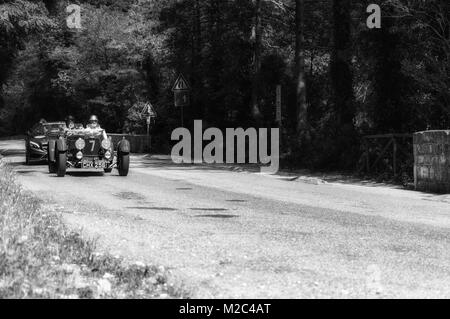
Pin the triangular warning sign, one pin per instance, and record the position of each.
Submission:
(181, 84)
(151, 111)
(148, 110)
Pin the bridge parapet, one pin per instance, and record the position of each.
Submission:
(432, 161)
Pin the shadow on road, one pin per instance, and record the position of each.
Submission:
(25, 172)
(220, 216)
(85, 174)
(152, 161)
(166, 209)
(165, 163)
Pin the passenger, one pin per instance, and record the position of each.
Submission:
(70, 122)
(42, 124)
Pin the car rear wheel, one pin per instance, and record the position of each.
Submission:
(123, 164)
(61, 162)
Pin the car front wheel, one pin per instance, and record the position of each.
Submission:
(123, 164)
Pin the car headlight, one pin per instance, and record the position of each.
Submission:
(80, 144)
(106, 144)
(35, 145)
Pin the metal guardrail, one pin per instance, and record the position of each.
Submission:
(386, 153)
(139, 143)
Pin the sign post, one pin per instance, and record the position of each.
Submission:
(182, 115)
(181, 91)
(278, 102)
(149, 121)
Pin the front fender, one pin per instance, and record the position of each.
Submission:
(61, 145)
(124, 147)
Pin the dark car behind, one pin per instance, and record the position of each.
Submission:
(36, 142)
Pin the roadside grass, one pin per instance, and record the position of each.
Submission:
(41, 258)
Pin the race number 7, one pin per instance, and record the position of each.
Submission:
(93, 145)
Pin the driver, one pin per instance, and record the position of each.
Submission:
(93, 125)
(70, 122)
(42, 123)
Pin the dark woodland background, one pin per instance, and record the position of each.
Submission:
(340, 79)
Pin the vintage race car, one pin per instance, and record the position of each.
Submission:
(87, 149)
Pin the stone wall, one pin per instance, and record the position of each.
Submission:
(139, 143)
(432, 161)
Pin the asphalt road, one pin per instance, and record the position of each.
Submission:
(229, 234)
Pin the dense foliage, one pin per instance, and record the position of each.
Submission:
(340, 79)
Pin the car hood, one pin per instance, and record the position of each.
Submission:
(85, 134)
(41, 140)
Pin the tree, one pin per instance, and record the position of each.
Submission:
(345, 148)
(256, 68)
(300, 77)
(341, 70)
(426, 28)
(18, 20)
(338, 80)
(390, 114)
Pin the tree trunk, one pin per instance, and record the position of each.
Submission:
(52, 6)
(301, 105)
(390, 112)
(196, 60)
(256, 39)
(345, 143)
(341, 74)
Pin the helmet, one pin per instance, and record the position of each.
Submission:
(69, 119)
(93, 122)
(93, 118)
